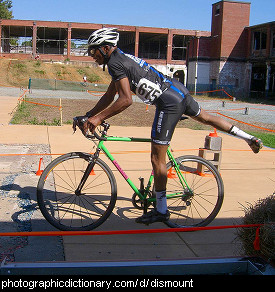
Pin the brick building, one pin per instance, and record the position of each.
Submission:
(238, 57)
(234, 55)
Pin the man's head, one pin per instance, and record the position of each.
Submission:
(100, 44)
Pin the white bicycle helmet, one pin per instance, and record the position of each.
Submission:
(103, 36)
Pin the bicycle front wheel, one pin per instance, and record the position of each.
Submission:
(67, 209)
(199, 202)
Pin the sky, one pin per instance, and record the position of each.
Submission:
(181, 14)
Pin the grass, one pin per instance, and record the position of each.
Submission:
(24, 115)
(267, 138)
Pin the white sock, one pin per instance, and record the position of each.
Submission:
(161, 202)
(241, 134)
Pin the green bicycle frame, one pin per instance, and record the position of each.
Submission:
(102, 147)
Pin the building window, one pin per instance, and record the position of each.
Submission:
(217, 12)
(152, 46)
(260, 40)
(263, 40)
(179, 47)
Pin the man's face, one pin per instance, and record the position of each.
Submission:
(97, 56)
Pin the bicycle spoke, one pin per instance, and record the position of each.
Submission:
(68, 174)
(200, 199)
(69, 209)
(92, 181)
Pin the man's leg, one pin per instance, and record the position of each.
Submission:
(158, 159)
(222, 125)
(213, 121)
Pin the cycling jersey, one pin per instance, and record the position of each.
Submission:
(171, 98)
(145, 81)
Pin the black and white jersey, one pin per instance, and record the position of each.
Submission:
(145, 81)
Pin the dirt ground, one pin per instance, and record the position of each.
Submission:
(138, 114)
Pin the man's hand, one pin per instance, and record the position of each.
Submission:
(92, 123)
(81, 122)
(86, 124)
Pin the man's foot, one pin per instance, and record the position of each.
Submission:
(153, 216)
(255, 144)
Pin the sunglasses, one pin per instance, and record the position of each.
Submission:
(91, 51)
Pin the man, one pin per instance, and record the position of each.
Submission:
(170, 97)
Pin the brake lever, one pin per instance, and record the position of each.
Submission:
(79, 122)
(74, 125)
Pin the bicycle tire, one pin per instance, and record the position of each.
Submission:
(59, 203)
(198, 206)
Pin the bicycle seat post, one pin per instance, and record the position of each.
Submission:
(141, 188)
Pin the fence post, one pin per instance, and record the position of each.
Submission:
(30, 82)
(60, 109)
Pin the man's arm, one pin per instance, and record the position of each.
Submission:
(122, 87)
(124, 100)
(104, 101)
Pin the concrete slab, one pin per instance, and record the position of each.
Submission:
(18, 208)
(24, 134)
(8, 104)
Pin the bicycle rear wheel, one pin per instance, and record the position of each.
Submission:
(199, 204)
(68, 210)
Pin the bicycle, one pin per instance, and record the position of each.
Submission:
(78, 191)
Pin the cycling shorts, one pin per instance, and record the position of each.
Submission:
(170, 106)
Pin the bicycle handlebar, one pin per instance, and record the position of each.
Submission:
(79, 121)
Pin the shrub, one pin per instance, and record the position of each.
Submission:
(263, 212)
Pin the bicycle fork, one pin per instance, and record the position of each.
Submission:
(87, 172)
(174, 164)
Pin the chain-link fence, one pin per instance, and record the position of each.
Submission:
(55, 84)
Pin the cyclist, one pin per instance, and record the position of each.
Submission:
(170, 97)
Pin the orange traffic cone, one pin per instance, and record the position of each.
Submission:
(214, 134)
(39, 171)
(171, 173)
(92, 172)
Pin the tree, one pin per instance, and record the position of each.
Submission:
(5, 12)
(27, 44)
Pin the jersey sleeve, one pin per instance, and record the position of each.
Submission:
(117, 71)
